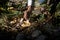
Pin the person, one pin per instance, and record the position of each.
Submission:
(26, 13)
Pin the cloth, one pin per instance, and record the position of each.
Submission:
(29, 2)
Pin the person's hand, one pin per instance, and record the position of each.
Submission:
(26, 24)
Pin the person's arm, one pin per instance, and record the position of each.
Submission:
(29, 5)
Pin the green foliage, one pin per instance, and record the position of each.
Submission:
(58, 7)
(7, 15)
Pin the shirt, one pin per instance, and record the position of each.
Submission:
(29, 2)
